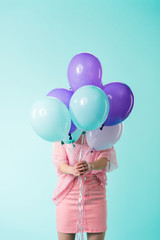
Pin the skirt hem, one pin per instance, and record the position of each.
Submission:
(85, 230)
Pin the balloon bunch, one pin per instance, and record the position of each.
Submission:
(88, 106)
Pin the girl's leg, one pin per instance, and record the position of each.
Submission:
(96, 236)
(66, 236)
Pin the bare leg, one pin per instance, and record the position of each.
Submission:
(96, 236)
(66, 236)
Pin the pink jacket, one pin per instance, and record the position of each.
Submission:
(68, 154)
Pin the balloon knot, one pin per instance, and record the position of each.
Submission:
(70, 137)
(62, 143)
(83, 132)
(101, 128)
(92, 150)
(73, 145)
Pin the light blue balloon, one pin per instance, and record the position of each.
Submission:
(74, 135)
(89, 107)
(50, 119)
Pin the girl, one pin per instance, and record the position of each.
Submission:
(92, 168)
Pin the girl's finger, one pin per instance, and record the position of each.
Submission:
(81, 162)
(82, 170)
(82, 167)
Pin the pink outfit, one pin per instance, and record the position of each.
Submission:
(66, 192)
(94, 211)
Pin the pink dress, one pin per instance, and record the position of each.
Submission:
(66, 193)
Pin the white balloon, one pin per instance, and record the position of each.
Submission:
(105, 138)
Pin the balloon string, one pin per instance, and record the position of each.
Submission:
(80, 203)
(86, 152)
(80, 218)
(81, 146)
(75, 153)
(72, 152)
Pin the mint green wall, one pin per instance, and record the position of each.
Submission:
(38, 39)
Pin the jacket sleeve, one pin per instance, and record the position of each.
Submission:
(110, 154)
(59, 156)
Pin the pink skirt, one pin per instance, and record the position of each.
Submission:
(94, 211)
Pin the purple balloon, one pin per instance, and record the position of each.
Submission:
(84, 69)
(64, 95)
(101, 86)
(121, 101)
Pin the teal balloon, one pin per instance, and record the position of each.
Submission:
(50, 119)
(89, 107)
(73, 137)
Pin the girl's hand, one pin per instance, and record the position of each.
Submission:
(82, 167)
(75, 172)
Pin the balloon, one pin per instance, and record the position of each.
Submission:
(72, 137)
(105, 138)
(121, 101)
(84, 69)
(64, 95)
(50, 119)
(101, 85)
(89, 107)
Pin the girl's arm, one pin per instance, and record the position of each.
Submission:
(65, 168)
(83, 166)
(98, 164)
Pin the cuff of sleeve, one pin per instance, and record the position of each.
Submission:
(111, 156)
(90, 167)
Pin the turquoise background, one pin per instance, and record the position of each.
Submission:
(38, 40)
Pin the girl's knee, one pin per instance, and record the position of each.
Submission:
(96, 236)
(66, 236)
